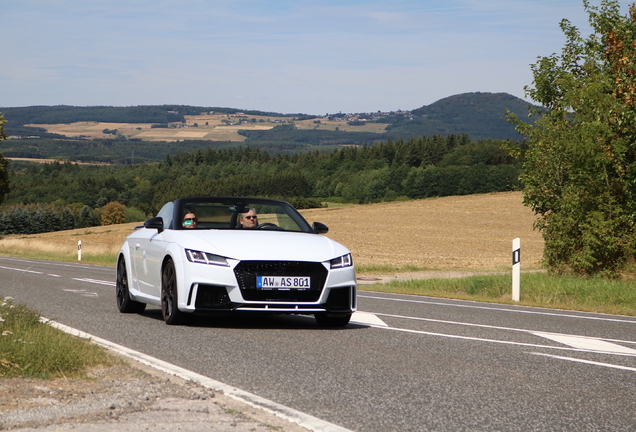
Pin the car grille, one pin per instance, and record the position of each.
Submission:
(246, 272)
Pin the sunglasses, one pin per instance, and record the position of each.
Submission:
(250, 217)
(190, 219)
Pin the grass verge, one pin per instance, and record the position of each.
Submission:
(105, 259)
(30, 348)
(537, 289)
(388, 269)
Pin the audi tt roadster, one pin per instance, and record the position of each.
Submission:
(212, 255)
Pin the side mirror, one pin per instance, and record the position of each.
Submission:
(154, 223)
(319, 228)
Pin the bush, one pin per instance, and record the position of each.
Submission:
(114, 213)
(133, 214)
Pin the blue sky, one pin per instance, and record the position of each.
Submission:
(300, 56)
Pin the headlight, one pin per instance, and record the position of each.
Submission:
(343, 261)
(205, 258)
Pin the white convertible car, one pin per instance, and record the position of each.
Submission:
(206, 255)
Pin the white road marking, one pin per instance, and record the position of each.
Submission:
(95, 281)
(21, 270)
(609, 365)
(577, 343)
(305, 420)
(587, 343)
(81, 292)
(499, 328)
(614, 351)
(625, 319)
(366, 318)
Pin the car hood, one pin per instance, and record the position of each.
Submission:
(263, 245)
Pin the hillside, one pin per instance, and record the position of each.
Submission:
(478, 115)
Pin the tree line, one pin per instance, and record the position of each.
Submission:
(416, 168)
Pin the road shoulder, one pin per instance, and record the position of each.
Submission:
(127, 396)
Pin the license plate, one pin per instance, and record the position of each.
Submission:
(283, 282)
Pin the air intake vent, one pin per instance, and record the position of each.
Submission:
(339, 299)
(212, 297)
(247, 271)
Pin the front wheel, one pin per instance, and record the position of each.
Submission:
(326, 319)
(124, 303)
(169, 300)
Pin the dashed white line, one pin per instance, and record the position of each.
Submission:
(81, 292)
(21, 270)
(95, 281)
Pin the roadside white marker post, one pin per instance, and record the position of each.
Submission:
(516, 268)
(79, 250)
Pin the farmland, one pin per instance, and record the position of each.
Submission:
(463, 233)
(212, 127)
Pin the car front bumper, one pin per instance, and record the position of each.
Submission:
(210, 289)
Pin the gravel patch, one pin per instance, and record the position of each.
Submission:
(126, 396)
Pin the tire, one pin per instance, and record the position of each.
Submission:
(124, 303)
(169, 299)
(325, 319)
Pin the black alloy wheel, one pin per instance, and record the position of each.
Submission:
(169, 300)
(124, 303)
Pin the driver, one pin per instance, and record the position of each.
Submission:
(249, 218)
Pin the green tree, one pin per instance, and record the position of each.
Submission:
(4, 171)
(580, 161)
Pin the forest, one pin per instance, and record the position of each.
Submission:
(385, 171)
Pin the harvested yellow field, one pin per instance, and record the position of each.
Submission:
(102, 240)
(473, 232)
(191, 134)
(469, 233)
(213, 127)
(340, 125)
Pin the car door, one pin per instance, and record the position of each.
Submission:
(154, 250)
(149, 253)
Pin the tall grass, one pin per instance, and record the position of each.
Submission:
(30, 348)
(537, 289)
(33, 248)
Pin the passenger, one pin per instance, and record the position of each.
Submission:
(190, 220)
(248, 219)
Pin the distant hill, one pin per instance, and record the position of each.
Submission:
(480, 115)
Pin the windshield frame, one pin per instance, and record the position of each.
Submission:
(222, 213)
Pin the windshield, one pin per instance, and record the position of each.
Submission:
(238, 213)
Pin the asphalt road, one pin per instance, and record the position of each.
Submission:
(422, 364)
